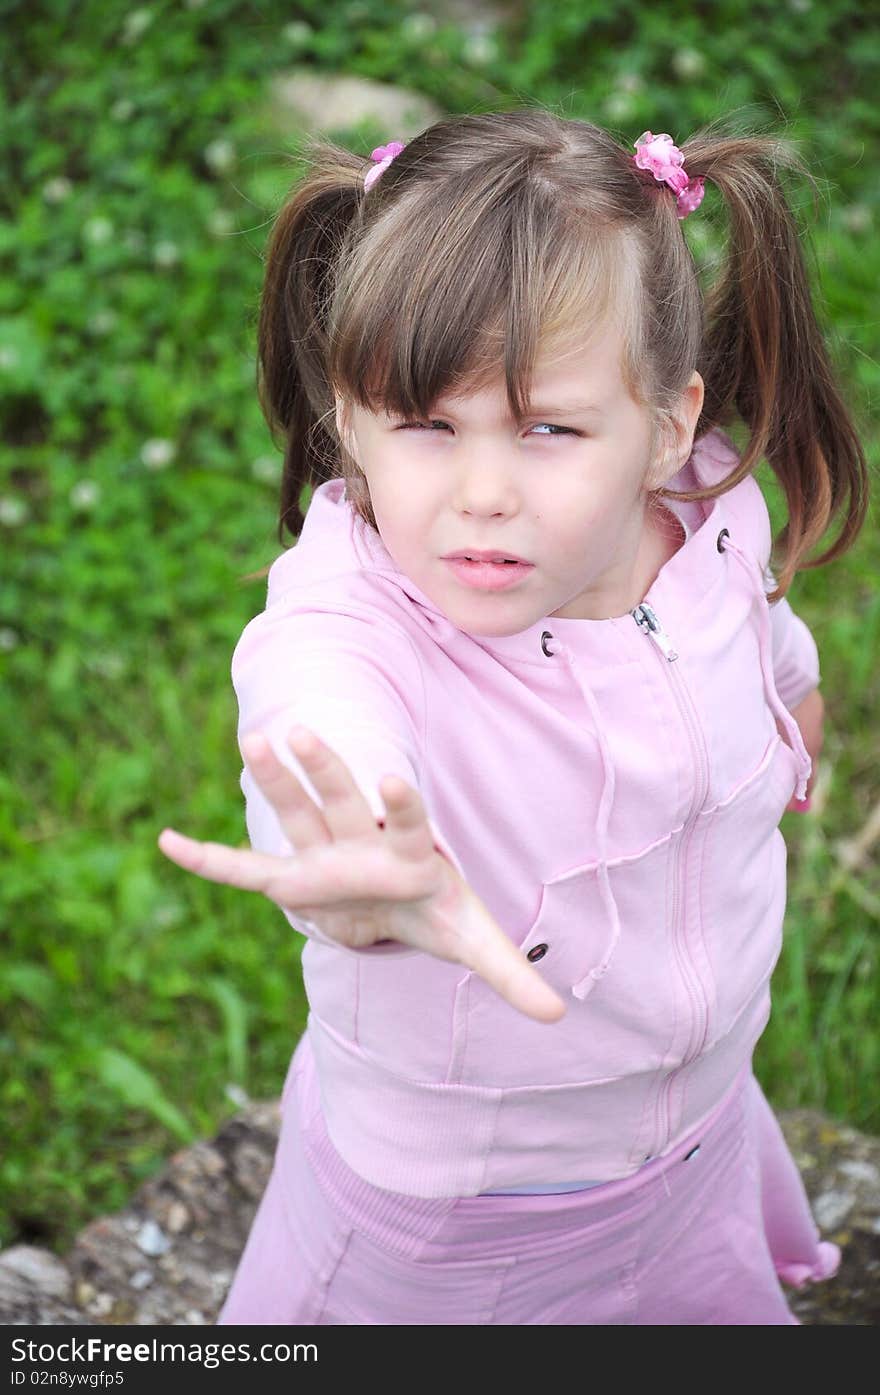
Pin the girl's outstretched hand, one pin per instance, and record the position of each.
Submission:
(360, 883)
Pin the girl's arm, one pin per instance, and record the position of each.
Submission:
(795, 654)
(797, 677)
(355, 684)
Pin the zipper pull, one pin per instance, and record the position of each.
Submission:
(647, 621)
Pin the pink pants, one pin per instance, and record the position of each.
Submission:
(700, 1236)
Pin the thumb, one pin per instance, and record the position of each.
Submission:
(505, 968)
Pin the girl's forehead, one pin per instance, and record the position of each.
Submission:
(570, 372)
(583, 376)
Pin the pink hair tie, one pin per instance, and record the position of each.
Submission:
(384, 154)
(665, 161)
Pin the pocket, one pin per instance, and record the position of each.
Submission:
(571, 936)
(573, 932)
(770, 784)
(743, 880)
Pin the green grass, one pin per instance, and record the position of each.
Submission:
(133, 996)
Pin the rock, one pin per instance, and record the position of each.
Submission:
(177, 1219)
(309, 100)
(39, 1268)
(328, 102)
(832, 1208)
(152, 1239)
(193, 1217)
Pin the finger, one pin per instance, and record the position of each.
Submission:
(252, 871)
(522, 986)
(302, 822)
(505, 968)
(406, 821)
(330, 876)
(346, 811)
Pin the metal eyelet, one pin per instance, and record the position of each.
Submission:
(544, 637)
(725, 533)
(537, 952)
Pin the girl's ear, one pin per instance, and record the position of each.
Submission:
(686, 421)
(677, 438)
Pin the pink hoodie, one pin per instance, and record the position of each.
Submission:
(611, 789)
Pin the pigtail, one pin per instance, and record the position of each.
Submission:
(765, 357)
(292, 345)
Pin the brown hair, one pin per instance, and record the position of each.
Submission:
(494, 235)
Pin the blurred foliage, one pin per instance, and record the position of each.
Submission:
(138, 485)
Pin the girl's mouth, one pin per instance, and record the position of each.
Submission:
(488, 576)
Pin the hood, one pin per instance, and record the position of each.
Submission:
(339, 560)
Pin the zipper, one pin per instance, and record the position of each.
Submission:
(649, 623)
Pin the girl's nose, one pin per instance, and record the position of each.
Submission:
(485, 486)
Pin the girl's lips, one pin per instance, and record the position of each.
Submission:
(488, 576)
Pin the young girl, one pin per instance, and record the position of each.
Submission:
(519, 723)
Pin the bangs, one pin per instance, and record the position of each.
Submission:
(474, 290)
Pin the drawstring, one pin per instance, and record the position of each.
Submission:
(766, 650)
(589, 980)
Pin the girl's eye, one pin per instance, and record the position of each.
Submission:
(422, 425)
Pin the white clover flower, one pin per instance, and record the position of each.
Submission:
(98, 230)
(84, 495)
(630, 82)
(619, 106)
(237, 1095)
(800, 7)
(297, 32)
(58, 189)
(699, 235)
(122, 109)
(857, 217)
(688, 62)
(418, 26)
(103, 321)
(9, 356)
(479, 49)
(166, 253)
(266, 468)
(109, 664)
(13, 510)
(8, 639)
(220, 222)
(168, 914)
(158, 453)
(136, 23)
(220, 155)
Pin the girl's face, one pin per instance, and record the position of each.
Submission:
(566, 491)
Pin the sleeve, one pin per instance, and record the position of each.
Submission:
(356, 684)
(795, 654)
